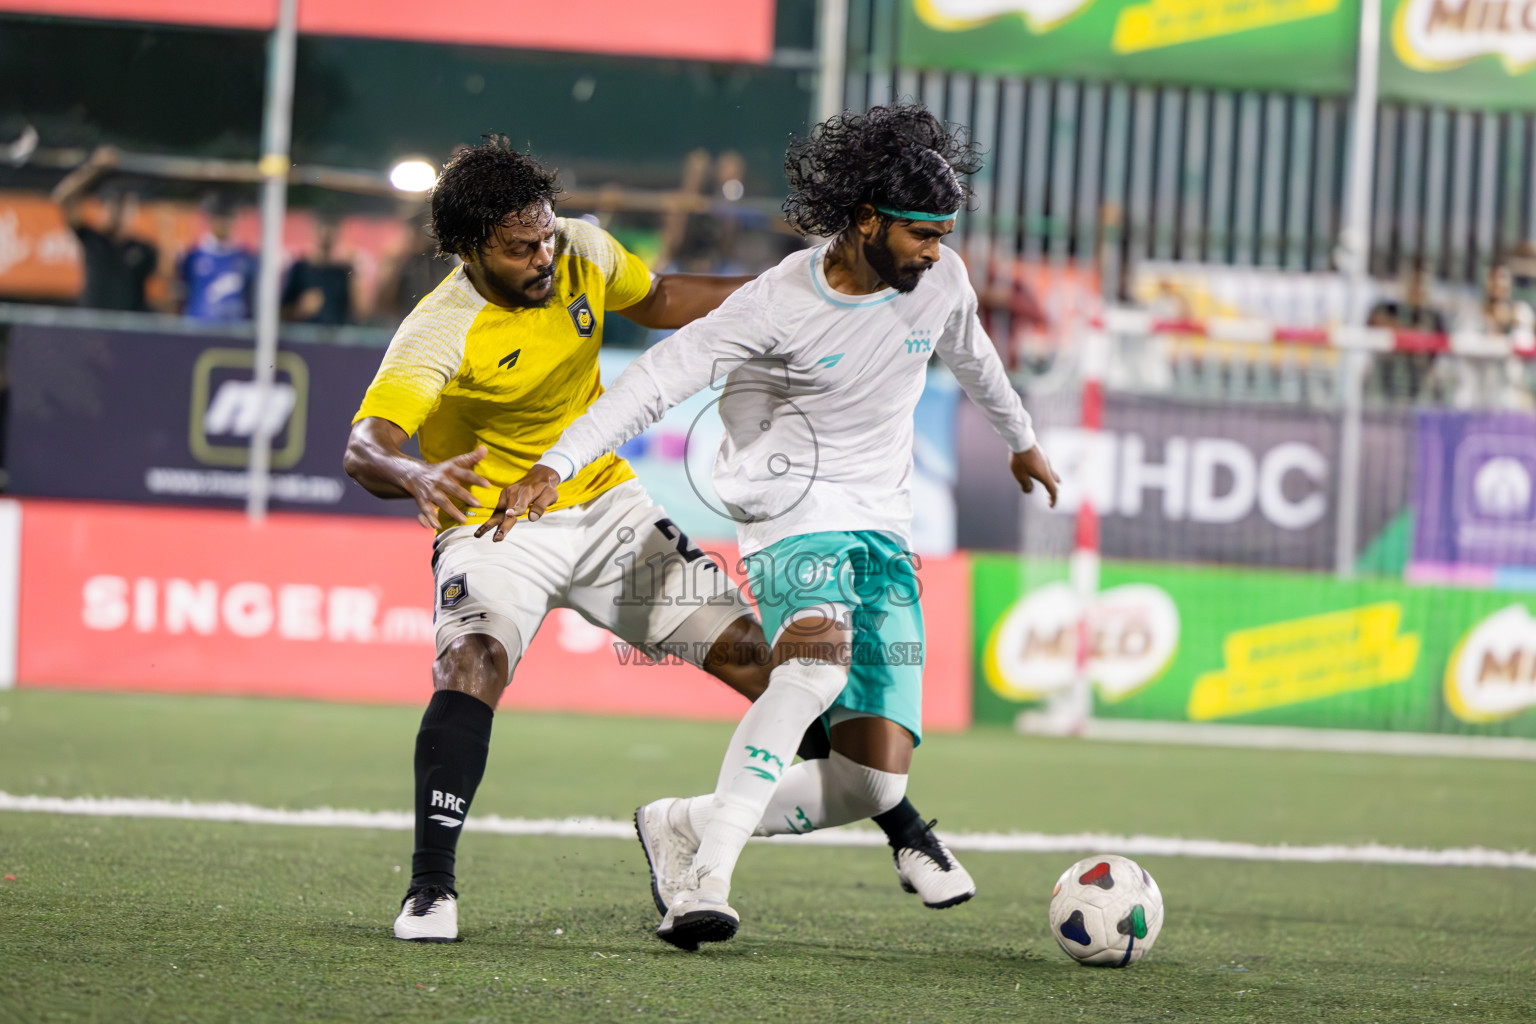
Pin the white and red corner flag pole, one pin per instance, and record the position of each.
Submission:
(1067, 711)
(1077, 702)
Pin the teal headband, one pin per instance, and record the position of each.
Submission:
(914, 214)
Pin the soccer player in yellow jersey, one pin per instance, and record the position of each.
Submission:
(488, 370)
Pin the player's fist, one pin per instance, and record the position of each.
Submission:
(445, 486)
(532, 495)
(1031, 466)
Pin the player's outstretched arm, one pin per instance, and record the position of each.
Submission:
(679, 299)
(972, 358)
(375, 461)
(662, 376)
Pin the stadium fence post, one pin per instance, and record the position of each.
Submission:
(832, 42)
(10, 589)
(1352, 366)
(1354, 257)
(277, 124)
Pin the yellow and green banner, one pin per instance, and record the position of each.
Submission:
(1289, 45)
(1460, 53)
(1203, 644)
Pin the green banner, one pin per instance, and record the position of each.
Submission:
(1264, 648)
(1461, 53)
(1289, 45)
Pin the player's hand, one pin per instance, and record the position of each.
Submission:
(1032, 465)
(445, 486)
(533, 495)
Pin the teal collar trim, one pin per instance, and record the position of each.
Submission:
(827, 292)
(915, 214)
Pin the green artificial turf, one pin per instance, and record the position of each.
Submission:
(121, 920)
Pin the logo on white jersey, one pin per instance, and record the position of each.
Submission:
(918, 341)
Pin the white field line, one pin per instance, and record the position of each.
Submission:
(607, 828)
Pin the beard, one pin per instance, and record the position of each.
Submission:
(513, 297)
(902, 277)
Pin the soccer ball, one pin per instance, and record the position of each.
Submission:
(1106, 911)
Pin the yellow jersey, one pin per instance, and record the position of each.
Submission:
(462, 372)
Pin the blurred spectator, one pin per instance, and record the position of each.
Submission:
(408, 275)
(1170, 303)
(319, 290)
(1413, 312)
(1522, 264)
(116, 265)
(217, 275)
(1502, 313)
(1406, 375)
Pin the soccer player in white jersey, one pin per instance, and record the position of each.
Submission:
(487, 371)
(824, 358)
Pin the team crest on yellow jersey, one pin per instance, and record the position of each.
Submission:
(581, 316)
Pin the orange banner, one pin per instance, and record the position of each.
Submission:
(121, 597)
(738, 30)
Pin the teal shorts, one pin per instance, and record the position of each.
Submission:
(868, 573)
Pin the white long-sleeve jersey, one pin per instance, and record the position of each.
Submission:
(817, 390)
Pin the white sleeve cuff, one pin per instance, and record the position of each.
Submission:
(559, 461)
(1023, 441)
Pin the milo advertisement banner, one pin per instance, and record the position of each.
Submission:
(1268, 647)
(1293, 45)
(1461, 53)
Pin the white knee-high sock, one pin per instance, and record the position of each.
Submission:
(761, 749)
(828, 792)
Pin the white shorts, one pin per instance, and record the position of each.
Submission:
(617, 560)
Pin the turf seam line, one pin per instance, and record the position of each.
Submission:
(607, 828)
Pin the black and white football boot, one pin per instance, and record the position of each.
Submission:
(927, 868)
(429, 913)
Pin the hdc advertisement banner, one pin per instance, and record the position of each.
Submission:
(1187, 481)
(1291, 45)
(1258, 647)
(122, 597)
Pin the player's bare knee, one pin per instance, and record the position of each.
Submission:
(475, 664)
(739, 658)
(812, 638)
(874, 742)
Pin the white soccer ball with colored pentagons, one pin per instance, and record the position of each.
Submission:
(1106, 911)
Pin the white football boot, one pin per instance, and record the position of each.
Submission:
(429, 914)
(697, 917)
(668, 849)
(927, 868)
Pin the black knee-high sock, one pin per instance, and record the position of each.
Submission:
(451, 749)
(900, 824)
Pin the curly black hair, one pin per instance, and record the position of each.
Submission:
(479, 188)
(899, 156)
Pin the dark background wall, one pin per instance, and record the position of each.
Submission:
(366, 103)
